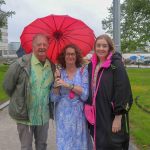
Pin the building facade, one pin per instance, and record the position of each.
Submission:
(4, 37)
(4, 41)
(12, 48)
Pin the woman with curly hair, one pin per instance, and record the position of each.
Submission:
(70, 95)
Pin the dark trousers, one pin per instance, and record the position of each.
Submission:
(26, 134)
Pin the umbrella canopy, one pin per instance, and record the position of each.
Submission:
(62, 30)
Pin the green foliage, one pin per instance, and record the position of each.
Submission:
(4, 15)
(2, 2)
(3, 69)
(108, 22)
(140, 120)
(135, 24)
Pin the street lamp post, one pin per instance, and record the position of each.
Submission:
(116, 24)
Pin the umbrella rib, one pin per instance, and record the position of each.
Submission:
(81, 41)
(68, 25)
(26, 42)
(69, 31)
(39, 28)
(47, 24)
(66, 39)
(62, 22)
(78, 35)
(71, 24)
(63, 39)
(59, 45)
(30, 33)
(54, 22)
(79, 28)
(53, 48)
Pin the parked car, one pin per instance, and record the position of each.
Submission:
(147, 61)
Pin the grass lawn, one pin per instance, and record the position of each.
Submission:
(140, 120)
(3, 69)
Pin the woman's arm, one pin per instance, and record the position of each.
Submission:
(122, 94)
(82, 90)
(122, 89)
(77, 89)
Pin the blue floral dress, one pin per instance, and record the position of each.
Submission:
(71, 126)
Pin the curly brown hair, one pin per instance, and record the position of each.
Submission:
(61, 56)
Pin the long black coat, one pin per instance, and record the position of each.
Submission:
(114, 87)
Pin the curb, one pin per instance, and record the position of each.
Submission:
(132, 146)
(2, 106)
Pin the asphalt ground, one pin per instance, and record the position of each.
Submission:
(9, 139)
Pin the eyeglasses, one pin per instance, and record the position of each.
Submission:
(70, 54)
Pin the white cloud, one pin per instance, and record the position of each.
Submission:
(90, 11)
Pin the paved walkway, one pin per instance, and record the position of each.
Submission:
(9, 138)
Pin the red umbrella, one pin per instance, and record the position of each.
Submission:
(62, 30)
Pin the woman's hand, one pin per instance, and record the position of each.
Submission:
(61, 82)
(116, 125)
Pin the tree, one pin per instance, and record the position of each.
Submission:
(4, 15)
(135, 24)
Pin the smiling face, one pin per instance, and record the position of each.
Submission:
(40, 46)
(70, 56)
(102, 48)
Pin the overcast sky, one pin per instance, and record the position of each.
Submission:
(90, 11)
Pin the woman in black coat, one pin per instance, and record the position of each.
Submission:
(113, 97)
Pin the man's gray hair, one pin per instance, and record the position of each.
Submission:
(40, 35)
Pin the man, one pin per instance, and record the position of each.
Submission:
(28, 82)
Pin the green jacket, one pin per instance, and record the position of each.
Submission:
(16, 84)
